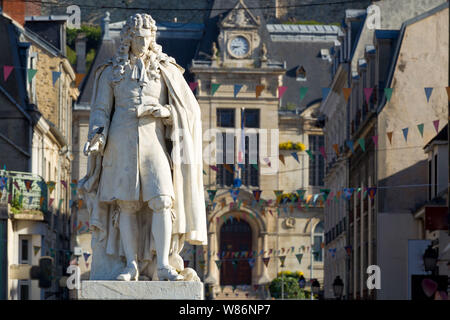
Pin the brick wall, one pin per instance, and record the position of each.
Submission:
(15, 9)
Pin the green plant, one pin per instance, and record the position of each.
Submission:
(16, 203)
(291, 288)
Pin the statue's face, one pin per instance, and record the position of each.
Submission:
(140, 44)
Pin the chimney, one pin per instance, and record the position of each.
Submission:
(80, 50)
(15, 9)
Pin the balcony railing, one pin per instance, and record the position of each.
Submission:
(25, 192)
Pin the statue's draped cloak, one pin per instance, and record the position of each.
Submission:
(187, 175)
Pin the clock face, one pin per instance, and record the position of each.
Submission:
(239, 46)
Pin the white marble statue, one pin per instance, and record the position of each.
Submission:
(144, 183)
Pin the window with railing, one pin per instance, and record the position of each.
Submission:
(316, 163)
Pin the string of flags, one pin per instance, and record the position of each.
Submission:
(368, 92)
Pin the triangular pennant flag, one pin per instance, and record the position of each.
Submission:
(51, 186)
(325, 92)
(36, 249)
(228, 168)
(50, 202)
(80, 203)
(64, 184)
(257, 194)
(372, 191)
(350, 145)
(325, 193)
(7, 71)
(237, 183)
(389, 134)
(214, 87)
(234, 194)
(78, 79)
(281, 91)
(259, 89)
(301, 193)
(428, 92)
(281, 157)
(420, 127)
(193, 85)
(310, 154)
(295, 155)
(251, 262)
(278, 194)
(211, 194)
(346, 92)
(214, 168)
(237, 88)
(405, 133)
(362, 143)
(348, 249)
(436, 125)
(322, 152)
(348, 193)
(303, 91)
(368, 94)
(55, 76)
(388, 93)
(448, 92)
(375, 141)
(204, 172)
(266, 260)
(336, 149)
(86, 256)
(282, 258)
(31, 73)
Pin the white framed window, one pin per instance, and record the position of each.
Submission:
(25, 249)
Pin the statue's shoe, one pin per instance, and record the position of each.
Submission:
(129, 273)
(169, 273)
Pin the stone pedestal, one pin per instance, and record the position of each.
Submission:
(141, 290)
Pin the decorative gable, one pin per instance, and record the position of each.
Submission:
(240, 17)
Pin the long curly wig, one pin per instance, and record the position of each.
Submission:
(152, 58)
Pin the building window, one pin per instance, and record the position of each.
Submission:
(300, 74)
(317, 245)
(435, 175)
(316, 164)
(430, 179)
(24, 290)
(250, 173)
(24, 250)
(225, 158)
(225, 118)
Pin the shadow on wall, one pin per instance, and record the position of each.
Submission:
(404, 191)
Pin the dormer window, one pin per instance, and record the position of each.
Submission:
(300, 74)
(325, 54)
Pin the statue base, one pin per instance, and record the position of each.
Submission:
(141, 290)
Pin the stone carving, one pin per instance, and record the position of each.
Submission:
(144, 195)
(263, 56)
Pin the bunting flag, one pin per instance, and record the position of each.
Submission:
(310, 154)
(3, 182)
(362, 143)
(255, 166)
(372, 191)
(50, 202)
(51, 186)
(336, 149)
(420, 127)
(251, 262)
(295, 155)
(211, 194)
(186, 263)
(267, 160)
(368, 94)
(80, 203)
(267, 259)
(346, 92)
(331, 250)
(16, 185)
(428, 92)
(64, 184)
(73, 187)
(325, 193)
(214, 168)
(282, 258)
(228, 168)
(234, 194)
(7, 71)
(405, 133)
(204, 172)
(55, 76)
(41, 201)
(257, 194)
(388, 93)
(78, 79)
(303, 91)
(281, 157)
(31, 74)
(350, 145)
(36, 249)
(237, 88)
(348, 249)
(322, 151)
(281, 91)
(301, 193)
(436, 125)
(193, 85)
(60, 204)
(375, 141)
(259, 90)
(214, 87)
(278, 194)
(448, 92)
(389, 135)
(348, 193)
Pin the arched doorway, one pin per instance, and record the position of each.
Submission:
(235, 236)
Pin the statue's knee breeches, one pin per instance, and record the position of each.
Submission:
(160, 203)
(129, 207)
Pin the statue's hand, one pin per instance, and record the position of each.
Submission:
(161, 111)
(93, 147)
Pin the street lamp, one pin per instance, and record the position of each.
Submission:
(430, 258)
(315, 287)
(338, 287)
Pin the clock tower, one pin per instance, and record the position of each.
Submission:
(239, 42)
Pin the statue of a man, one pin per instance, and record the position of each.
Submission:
(144, 182)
